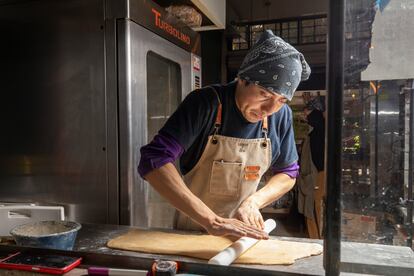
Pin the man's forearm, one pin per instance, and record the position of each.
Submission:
(168, 183)
(274, 189)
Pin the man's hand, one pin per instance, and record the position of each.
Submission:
(168, 182)
(249, 213)
(276, 186)
(234, 227)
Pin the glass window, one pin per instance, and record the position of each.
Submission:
(235, 44)
(308, 23)
(320, 30)
(255, 36)
(377, 131)
(257, 28)
(308, 39)
(311, 30)
(244, 46)
(320, 22)
(320, 38)
(293, 40)
(308, 34)
(308, 31)
(242, 37)
(241, 29)
(163, 98)
(269, 27)
(240, 42)
(277, 29)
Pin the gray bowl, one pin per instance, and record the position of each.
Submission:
(47, 234)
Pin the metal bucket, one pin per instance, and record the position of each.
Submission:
(47, 234)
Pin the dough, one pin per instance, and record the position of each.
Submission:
(269, 252)
(273, 252)
(198, 246)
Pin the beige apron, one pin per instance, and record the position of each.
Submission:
(228, 172)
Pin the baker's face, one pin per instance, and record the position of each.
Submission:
(255, 102)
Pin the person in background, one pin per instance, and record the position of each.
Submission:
(314, 112)
(311, 187)
(227, 137)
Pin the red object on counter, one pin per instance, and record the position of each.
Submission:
(52, 264)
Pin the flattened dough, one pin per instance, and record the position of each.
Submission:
(269, 252)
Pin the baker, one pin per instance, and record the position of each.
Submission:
(227, 137)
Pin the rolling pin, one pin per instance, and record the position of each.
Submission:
(231, 253)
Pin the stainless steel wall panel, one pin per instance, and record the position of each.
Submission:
(53, 143)
(73, 80)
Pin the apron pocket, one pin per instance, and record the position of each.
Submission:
(225, 178)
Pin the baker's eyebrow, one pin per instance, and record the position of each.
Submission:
(266, 93)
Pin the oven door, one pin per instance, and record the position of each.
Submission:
(154, 76)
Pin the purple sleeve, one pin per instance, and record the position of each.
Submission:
(291, 170)
(163, 149)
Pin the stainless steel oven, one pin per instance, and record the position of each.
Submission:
(86, 84)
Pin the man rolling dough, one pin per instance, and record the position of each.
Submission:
(227, 137)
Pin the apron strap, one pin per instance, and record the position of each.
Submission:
(217, 123)
(264, 125)
(218, 116)
(265, 130)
